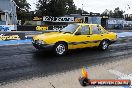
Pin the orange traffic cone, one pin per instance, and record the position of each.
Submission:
(84, 74)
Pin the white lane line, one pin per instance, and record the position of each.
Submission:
(121, 75)
(117, 73)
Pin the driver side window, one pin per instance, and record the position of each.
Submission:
(84, 30)
(95, 30)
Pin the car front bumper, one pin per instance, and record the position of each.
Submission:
(43, 46)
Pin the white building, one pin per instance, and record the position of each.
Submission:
(8, 14)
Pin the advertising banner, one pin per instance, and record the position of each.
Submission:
(8, 28)
(90, 14)
(115, 21)
(58, 19)
(56, 27)
(12, 36)
(37, 18)
(41, 28)
(50, 27)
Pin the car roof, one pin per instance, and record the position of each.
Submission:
(86, 24)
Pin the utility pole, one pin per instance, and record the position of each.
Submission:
(82, 8)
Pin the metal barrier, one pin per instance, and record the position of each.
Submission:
(5, 36)
(26, 28)
(41, 28)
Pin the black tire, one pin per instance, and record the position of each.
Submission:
(104, 45)
(36, 47)
(60, 48)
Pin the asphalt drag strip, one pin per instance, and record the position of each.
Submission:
(23, 62)
(120, 68)
(22, 66)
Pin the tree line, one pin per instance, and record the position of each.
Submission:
(56, 8)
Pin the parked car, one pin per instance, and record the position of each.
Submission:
(74, 36)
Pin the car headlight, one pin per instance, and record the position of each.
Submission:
(40, 42)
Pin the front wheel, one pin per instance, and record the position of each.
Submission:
(60, 49)
(104, 45)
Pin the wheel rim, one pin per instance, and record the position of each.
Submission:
(104, 45)
(60, 49)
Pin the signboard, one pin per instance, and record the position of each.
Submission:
(7, 28)
(105, 17)
(12, 36)
(128, 22)
(50, 27)
(58, 19)
(56, 27)
(39, 28)
(78, 20)
(90, 14)
(112, 22)
(115, 21)
(37, 19)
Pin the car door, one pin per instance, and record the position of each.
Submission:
(81, 37)
(97, 35)
(104, 33)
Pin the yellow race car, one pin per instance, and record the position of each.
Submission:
(74, 36)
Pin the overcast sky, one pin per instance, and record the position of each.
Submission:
(98, 6)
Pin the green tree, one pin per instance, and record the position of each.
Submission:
(55, 7)
(22, 10)
(42, 7)
(79, 11)
(70, 7)
(117, 13)
(111, 13)
(106, 12)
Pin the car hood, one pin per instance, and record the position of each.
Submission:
(47, 35)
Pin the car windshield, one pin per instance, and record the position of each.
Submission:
(70, 28)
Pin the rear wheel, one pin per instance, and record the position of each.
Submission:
(60, 49)
(104, 45)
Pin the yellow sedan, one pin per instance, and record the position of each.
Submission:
(74, 36)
